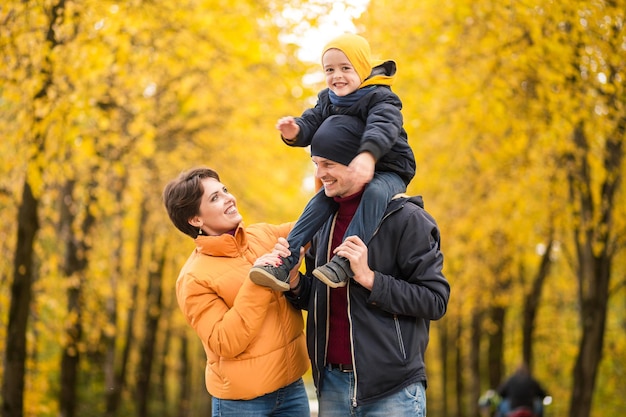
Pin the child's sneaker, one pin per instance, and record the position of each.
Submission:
(276, 278)
(335, 273)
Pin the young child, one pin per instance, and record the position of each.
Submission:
(357, 86)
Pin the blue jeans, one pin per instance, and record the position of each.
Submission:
(335, 399)
(368, 215)
(289, 401)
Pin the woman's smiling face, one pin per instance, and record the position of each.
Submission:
(218, 209)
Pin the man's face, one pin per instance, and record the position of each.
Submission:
(337, 179)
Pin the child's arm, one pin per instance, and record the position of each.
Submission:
(383, 124)
(288, 128)
(298, 131)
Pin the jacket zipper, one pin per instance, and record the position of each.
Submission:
(354, 370)
(327, 329)
(354, 403)
(319, 371)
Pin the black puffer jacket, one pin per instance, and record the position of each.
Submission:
(389, 324)
(384, 135)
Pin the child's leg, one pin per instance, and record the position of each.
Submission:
(371, 210)
(315, 214)
(367, 217)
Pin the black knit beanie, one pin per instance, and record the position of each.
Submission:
(338, 139)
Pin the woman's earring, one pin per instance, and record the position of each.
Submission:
(199, 231)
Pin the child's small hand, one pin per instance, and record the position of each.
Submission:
(362, 167)
(288, 127)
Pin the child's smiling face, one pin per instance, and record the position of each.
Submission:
(341, 77)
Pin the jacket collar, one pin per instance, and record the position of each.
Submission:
(399, 200)
(224, 245)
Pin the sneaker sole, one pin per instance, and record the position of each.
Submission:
(264, 279)
(332, 284)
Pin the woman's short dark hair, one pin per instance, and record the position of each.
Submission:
(182, 197)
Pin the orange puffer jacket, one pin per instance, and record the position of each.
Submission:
(253, 338)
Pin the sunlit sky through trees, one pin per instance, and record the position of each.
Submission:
(339, 20)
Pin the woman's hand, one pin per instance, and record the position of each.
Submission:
(281, 249)
(268, 259)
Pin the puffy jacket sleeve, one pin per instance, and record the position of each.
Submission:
(384, 122)
(417, 287)
(227, 330)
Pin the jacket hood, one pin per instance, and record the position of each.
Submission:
(383, 73)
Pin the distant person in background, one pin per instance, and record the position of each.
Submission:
(253, 337)
(361, 87)
(521, 390)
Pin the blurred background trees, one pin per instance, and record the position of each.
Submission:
(515, 111)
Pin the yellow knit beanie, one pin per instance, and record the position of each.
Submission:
(357, 49)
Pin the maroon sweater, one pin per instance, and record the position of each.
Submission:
(339, 351)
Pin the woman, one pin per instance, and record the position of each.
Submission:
(253, 338)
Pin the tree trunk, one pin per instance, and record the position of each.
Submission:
(444, 352)
(184, 402)
(113, 382)
(496, 347)
(70, 357)
(591, 344)
(595, 251)
(161, 388)
(27, 227)
(531, 305)
(153, 314)
(21, 294)
(474, 360)
(460, 386)
(75, 264)
(113, 400)
(202, 405)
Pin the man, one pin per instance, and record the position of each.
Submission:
(366, 341)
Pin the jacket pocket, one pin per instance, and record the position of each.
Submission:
(399, 337)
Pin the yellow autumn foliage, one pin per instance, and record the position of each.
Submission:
(116, 98)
